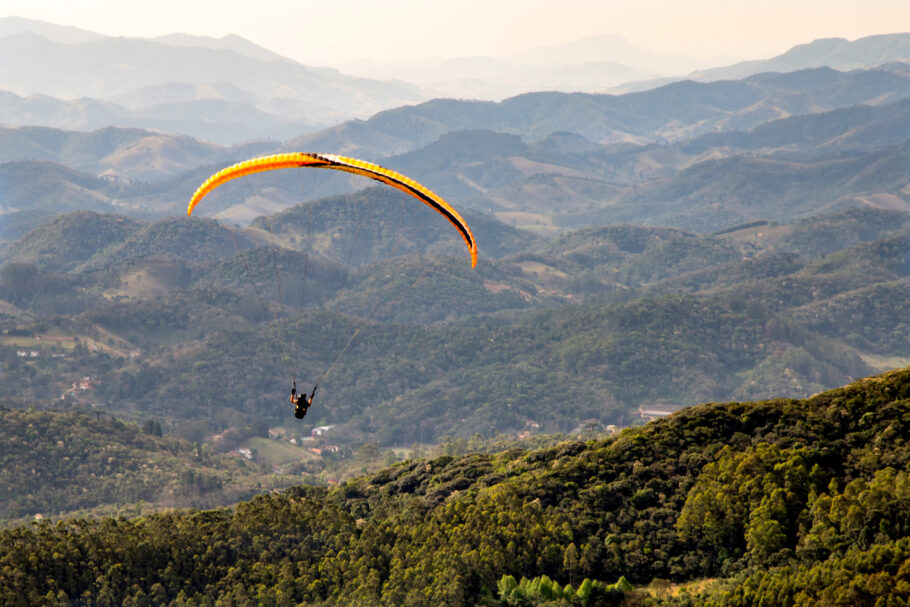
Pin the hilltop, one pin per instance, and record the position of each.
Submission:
(378, 223)
(767, 499)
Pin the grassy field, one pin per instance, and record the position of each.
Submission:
(534, 222)
(65, 343)
(542, 271)
(881, 362)
(145, 282)
(762, 234)
(664, 589)
(278, 453)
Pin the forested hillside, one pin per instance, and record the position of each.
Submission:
(641, 253)
(194, 320)
(56, 464)
(378, 223)
(801, 498)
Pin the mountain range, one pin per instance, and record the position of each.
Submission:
(836, 53)
(593, 64)
(57, 76)
(701, 156)
(229, 90)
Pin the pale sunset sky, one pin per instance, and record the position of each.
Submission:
(404, 31)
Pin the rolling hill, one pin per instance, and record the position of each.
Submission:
(42, 186)
(713, 195)
(67, 241)
(376, 223)
(673, 112)
(52, 458)
(534, 160)
(437, 347)
(732, 502)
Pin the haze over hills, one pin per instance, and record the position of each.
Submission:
(836, 53)
(610, 64)
(210, 112)
(539, 161)
(231, 42)
(61, 70)
(671, 113)
(593, 64)
(177, 83)
(65, 34)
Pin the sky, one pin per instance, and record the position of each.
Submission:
(407, 31)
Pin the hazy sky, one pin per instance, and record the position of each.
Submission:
(395, 30)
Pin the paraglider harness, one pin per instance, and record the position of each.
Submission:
(300, 401)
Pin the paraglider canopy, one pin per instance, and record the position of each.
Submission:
(341, 163)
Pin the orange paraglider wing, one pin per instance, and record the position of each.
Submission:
(340, 163)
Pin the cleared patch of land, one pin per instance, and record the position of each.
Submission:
(66, 342)
(278, 453)
(881, 362)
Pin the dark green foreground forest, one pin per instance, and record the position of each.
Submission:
(779, 502)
